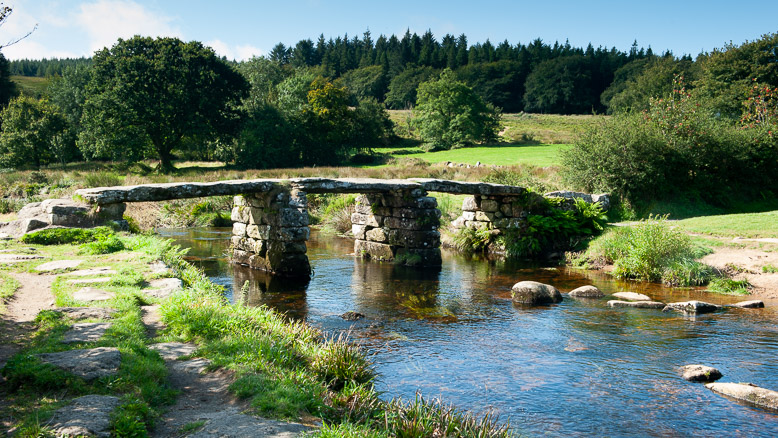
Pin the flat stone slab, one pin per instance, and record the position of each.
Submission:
(468, 188)
(752, 304)
(177, 190)
(16, 258)
(637, 304)
(193, 366)
(353, 185)
(230, 423)
(93, 294)
(86, 332)
(89, 415)
(102, 270)
(163, 287)
(87, 312)
(631, 296)
(97, 280)
(159, 267)
(173, 350)
(586, 292)
(88, 364)
(58, 265)
(692, 307)
(748, 393)
(700, 373)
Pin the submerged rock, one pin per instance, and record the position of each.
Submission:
(700, 373)
(637, 304)
(752, 304)
(747, 392)
(586, 292)
(631, 296)
(692, 307)
(352, 316)
(533, 293)
(86, 416)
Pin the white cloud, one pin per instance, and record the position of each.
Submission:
(105, 21)
(239, 52)
(29, 49)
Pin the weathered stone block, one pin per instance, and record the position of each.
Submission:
(373, 250)
(478, 224)
(469, 204)
(105, 211)
(418, 224)
(239, 201)
(256, 215)
(241, 257)
(517, 210)
(376, 235)
(291, 234)
(366, 219)
(282, 247)
(419, 256)
(489, 205)
(426, 202)
(258, 231)
(414, 239)
(358, 231)
(414, 213)
(363, 208)
(506, 209)
(468, 215)
(484, 216)
(238, 229)
(509, 222)
(298, 199)
(293, 217)
(240, 214)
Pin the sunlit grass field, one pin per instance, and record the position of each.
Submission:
(500, 155)
(746, 225)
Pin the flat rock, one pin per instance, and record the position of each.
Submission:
(194, 366)
(87, 312)
(637, 304)
(163, 287)
(692, 307)
(352, 316)
(159, 267)
(586, 292)
(89, 415)
(468, 188)
(230, 423)
(102, 270)
(176, 190)
(631, 296)
(16, 258)
(86, 332)
(173, 350)
(532, 293)
(92, 294)
(748, 393)
(97, 280)
(752, 304)
(700, 373)
(58, 265)
(88, 364)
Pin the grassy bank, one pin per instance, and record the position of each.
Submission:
(498, 155)
(746, 225)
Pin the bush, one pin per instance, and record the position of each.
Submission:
(102, 245)
(62, 236)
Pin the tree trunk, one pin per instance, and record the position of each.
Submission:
(165, 158)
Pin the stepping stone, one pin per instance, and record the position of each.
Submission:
(586, 292)
(700, 373)
(16, 258)
(4, 236)
(692, 307)
(97, 280)
(87, 312)
(173, 350)
(86, 332)
(163, 287)
(753, 304)
(637, 304)
(58, 265)
(92, 294)
(89, 364)
(159, 268)
(631, 296)
(194, 366)
(748, 393)
(230, 423)
(352, 316)
(103, 270)
(89, 415)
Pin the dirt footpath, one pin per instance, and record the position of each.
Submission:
(747, 263)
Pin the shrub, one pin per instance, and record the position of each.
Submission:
(729, 286)
(62, 236)
(102, 245)
(472, 240)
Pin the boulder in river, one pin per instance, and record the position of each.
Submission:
(637, 304)
(752, 304)
(700, 373)
(692, 307)
(352, 316)
(631, 296)
(748, 393)
(586, 292)
(533, 293)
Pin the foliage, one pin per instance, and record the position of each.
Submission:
(68, 93)
(637, 82)
(366, 82)
(473, 240)
(137, 90)
(450, 114)
(499, 83)
(7, 87)
(102, 245)
(728, 286)
(560, 86)
(61, 236)
(263, 76)
(402, 90)
(34, 133)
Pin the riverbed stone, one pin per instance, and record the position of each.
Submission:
(86, 332)
(87, 312)
(163, 287)
(631, 296)
(89, 415)
(88, 364)
(586, 292)
(693, 307)
(700, 373)
(352, 316)
(58, 265)
(173, 350)
(637, 304)
(373, 250)
(748, 393)
(92, 294)
(534, 293)
(751, 304)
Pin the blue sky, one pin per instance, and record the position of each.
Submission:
(240, 29)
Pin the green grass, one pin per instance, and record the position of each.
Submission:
(746, 225)
(32, 86)
(546, 128)
(499, 155)
(8, 285)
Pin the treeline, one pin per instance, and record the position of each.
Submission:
(45, 68)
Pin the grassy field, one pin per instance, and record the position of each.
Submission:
(31, 86)
(500, 155)
(747, 225)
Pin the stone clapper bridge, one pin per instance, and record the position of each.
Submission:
(395, 220)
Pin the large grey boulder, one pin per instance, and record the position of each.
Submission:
(586, 292)
(637, 304)
(89, 415)
(631, 296)
(748, 393)
(88, 364)
(534, 293)
(693, 307)
(700, 373)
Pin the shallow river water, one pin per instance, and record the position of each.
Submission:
(576, 368)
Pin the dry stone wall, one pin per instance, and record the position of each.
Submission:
(493, 212)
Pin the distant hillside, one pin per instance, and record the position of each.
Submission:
(31, 86)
